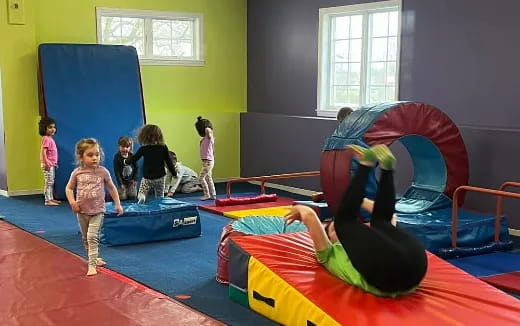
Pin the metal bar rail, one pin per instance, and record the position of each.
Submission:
(454, 212)
(499, 206)
(265, 178)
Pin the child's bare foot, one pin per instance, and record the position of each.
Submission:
(56, 201)
(51, 203)
(91, 270)
(100, 262)
(205, 198)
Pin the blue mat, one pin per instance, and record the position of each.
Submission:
(489, 264)
(177, 267)
(90, 90)
(433, 228)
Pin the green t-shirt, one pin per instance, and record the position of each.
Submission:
(335, 259)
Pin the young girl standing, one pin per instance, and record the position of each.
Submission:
(156, 155)
(205, 130)
(48, 158)
(89, 180)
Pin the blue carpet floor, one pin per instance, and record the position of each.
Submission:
(180, 267)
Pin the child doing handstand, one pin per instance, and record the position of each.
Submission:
(90, 180)
(380, 259)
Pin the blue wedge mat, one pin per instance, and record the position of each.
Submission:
(91, 91)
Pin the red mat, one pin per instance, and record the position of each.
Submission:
(42, 284)
(282, 201)
(509, 282)
(447, 296)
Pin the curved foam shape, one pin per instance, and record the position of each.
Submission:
(91, 90)
(434, 142)
(248, 226)
(279, 277)
(263, 198)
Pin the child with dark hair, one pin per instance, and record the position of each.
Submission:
(343, 113)
(126, 175)
(205, 130)
(186, 182)
(380, 259)
(156, 155)
(48, 158)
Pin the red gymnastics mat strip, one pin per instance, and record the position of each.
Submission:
(447, 295)
(282, 201)
(509, 282)
(44, 284)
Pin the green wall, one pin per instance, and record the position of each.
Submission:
(174, 95)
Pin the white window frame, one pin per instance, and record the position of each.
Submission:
(324, 51)
(148, 16)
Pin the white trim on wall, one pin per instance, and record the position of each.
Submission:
(20, 193)
(148, 15)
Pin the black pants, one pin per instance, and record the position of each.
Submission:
(388, 258)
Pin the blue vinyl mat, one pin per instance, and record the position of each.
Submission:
(90, 90)
(489, 264)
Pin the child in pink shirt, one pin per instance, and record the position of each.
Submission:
(48, 158)
(207, 142)
(89, 180)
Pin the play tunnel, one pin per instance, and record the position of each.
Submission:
(440, 164)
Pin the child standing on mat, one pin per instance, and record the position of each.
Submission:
(156, 155)
(48, 158)
(90, 180)
(205, 130)
(380, 259)
(126, 175)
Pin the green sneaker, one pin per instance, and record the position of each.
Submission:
(363, 154)
(384, 156)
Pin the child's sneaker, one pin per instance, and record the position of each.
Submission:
(384, 156)
(365, 155)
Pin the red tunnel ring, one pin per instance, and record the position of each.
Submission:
(402, 120)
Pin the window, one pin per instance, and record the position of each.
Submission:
(160, 38)
(358, 55)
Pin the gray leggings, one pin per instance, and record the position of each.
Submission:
(90, 226)
(157, 185)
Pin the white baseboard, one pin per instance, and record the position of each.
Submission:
(294, 190)
(20, 193)
(514, 232)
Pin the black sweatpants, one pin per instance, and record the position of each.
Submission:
(387, 257)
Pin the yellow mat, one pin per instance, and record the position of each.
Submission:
(269, 211)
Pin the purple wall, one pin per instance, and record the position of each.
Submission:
(461, 56)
